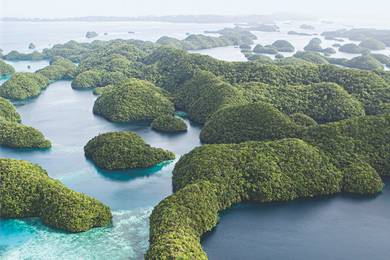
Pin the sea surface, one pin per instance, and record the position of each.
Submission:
(325, 228)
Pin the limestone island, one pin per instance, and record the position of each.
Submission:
(27, 191)
(169, 124)
(91, 34)
(133, 100)
(23, 85)
(124, 150)
(6, 70)
(15, 135)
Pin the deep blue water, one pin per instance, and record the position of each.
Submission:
(340, 227)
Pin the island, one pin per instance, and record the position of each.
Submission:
(27, 191)
(17, 56)
(215, 177)
(373, 44)
(8, 111)
(59, 69)
(307, 27)
(169, 124)
(351, 48)
(133, 100)
(16, 135)
(283, 46)
(91, 34)
(6, 70)
(124, 150)
(23, 85)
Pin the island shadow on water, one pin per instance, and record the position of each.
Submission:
(131, 174)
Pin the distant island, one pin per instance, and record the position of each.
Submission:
(171, 18)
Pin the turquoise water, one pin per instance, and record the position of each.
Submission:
(65, 117)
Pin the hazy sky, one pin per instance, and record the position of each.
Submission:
(72, 8)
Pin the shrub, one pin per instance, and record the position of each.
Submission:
(169, 124)
(364, 62)
(8, 111)
(382, 58)
(303, 120)
(204, 94)
(283, 46)
(23, 85)
(265, 49)
(310, 56)
(87, 79)
(372, 44)
(17, 56)
(6, 69)
(361, 178)
(324, 102)
(351, 48)
(16, 135)
(91, 34)
(59, 69)
(124, 150)
(133, 100)
(27, 191)
(314, 45)
(257, 121)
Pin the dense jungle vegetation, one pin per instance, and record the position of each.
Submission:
(27, 191)
(124, 150)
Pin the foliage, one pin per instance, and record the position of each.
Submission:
(229, 36)
(6, 69)
(382, 58)
(88, 79)
(169, 124)
(8, 111)
(364, 62)
(133, 100)
(303, 120)
(204, 94)
(16, 135)
(372, 44)
(124, 150)
(283, 46)
(91, 34)
(361, 178)
(314, 45)
(351, 48)
(257, 121)
(59, 69)
(361, 34)
(324, 102)
(23, 85)
(17, 56)
(310, 56)
(27, 191)
(265, 49)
